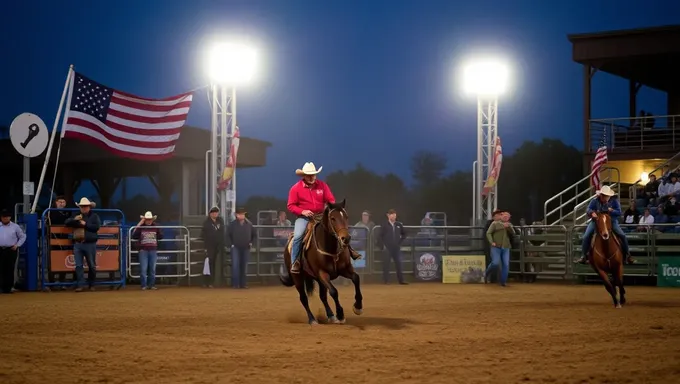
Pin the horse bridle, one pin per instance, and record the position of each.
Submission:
(341, 246)
(610, 257)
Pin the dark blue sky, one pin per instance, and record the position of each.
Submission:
(342, 81)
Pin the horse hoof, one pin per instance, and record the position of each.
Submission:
(357, 311)
(618, 306)
(333, 320)
(338, 321)
(313, 323)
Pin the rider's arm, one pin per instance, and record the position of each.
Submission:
(293, 201)
(616, 208)
(327, 194)
(591, 207)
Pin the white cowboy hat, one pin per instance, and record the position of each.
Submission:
(308, 169)
(606, 190)
(148, 216)
(85, 202)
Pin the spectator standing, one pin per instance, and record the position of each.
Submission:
(391, 236)
(11, 238)
(282, 220)
(86, 224)
(241, 236)
(57, 217)
(365, 221)
(213, 234)
(149, 235)
(499, 236)
(661, 218)
(281, 234)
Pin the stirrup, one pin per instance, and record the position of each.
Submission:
(295, 267)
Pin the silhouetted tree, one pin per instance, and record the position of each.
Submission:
(427, 167)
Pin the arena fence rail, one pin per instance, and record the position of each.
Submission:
(173, 253)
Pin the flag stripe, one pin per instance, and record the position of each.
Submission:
(125, 124)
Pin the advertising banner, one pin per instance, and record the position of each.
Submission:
(463, 269)
(668, 271)
(428, 266)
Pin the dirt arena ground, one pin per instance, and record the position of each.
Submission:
(421, 333)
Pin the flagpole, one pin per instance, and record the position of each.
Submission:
(231, 148)
(67, 85)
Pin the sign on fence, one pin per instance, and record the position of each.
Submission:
(427, 267)
(668, 273)
(463, 269)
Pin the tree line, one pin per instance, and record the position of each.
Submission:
(530, 176)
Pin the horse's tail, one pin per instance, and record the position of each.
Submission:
(309, 286)
(286, 279)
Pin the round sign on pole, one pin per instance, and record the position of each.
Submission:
(28, 134)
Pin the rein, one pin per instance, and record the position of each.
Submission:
(319, 219)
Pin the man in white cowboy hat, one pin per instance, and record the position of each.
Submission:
(148, 235)
(604, 203)
(85, 244)
(307, 197)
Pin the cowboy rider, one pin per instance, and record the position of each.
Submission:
(604, 203)
(307, 198)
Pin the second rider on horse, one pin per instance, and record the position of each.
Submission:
(307, 198)
(604, 203)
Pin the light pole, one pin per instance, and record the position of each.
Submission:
(486, 79)
(229, 65)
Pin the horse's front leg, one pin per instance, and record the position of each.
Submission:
(326, 281)
(323, 295)
(358, 307)
(608, 286)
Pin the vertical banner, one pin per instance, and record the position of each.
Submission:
(463, 269)
(495, 171)
(427, 266)
(668, 271)
(230, 167)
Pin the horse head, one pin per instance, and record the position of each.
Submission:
(335, 220)
(603, 223)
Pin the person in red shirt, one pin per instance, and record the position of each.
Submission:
(307, 197)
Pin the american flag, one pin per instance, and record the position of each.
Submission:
(124, 124)
(228, 172)
(598, 162)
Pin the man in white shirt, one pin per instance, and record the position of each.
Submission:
(646, 221)
(12, 237)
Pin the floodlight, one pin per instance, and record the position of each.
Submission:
(232, 63)
(486, 78)
(644, 177)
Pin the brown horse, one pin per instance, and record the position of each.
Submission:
(325, 256)
(606, 258)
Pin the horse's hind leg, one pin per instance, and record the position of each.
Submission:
(305, 303)
(326, 281)
(619, 282)
(608, 286)
(323, 295)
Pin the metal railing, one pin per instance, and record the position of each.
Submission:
(172, 253)
(666, 166)
(636, 133)
(573, 198)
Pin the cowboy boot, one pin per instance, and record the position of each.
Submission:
(629, 259)
(354, 254)
(582, 260)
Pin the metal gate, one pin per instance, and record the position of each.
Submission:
(173, 253)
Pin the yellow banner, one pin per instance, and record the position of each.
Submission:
(463, 269)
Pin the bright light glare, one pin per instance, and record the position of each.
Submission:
(486, 78)
(232, 63)
(644, 177)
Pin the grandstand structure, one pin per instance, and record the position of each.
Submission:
(79, 161)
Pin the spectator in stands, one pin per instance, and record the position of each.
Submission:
(498, 236)
(631, 216)
(240, 237)
(390, 237)
(426, 227)
(213, 234)
(86, 224)
(646, 221)
(11, 238)
(672, 188)
(58, 217)
(282, 220)
(281, 234)
(148, 234)
(661, 218)
(650, 191)
(672, 207)
(365, 221)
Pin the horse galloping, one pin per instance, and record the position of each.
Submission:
(325, 256)
(607, 258)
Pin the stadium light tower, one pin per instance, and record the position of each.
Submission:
(486, 79)
(230, 65)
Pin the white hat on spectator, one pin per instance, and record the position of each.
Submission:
(85, 202)
(148, 216)
(606, 190)
(308, 169)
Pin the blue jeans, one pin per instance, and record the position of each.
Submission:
(239, 266)
(590, 231)
(147, 264)
(499, 257)
(298, 234)
(81, 252)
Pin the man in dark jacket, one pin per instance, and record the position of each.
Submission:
(58, 217)
(391, 236)
(213, 239)
(86, 224)
(241, 236)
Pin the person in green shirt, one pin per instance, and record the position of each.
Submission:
(499, 236)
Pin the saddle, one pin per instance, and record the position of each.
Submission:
(307, 237)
